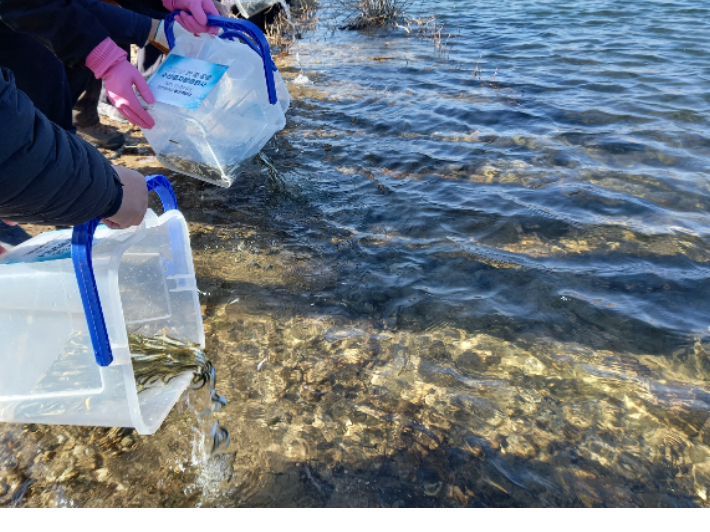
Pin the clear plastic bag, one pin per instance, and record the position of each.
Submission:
(238, 115)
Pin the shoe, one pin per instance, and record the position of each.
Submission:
(102, 136)
(109, 111)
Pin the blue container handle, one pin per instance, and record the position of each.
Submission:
(161, 185)
(81, 246)
(246, 31)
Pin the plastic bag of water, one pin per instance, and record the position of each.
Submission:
(218, 101)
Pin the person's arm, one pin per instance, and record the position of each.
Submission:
(49, 176)
(193, 16)
(123, 25)
(64, 26)
(71, 29)
(158, 9)
(151, 8)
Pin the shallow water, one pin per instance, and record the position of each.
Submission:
(478, 276)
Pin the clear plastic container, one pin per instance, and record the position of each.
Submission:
(238, 116)
(55, 369)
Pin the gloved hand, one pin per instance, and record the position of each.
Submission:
(109, 62)
(196, 20)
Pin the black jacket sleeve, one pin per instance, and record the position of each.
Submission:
(123, 25)
(49, 176)
(151, 8)
(64, 26)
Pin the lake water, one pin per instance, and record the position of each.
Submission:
(479, 277)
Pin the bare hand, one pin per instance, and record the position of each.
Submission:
(135, 200)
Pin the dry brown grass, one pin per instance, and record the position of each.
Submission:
(355, 15)
(427, 28)
(286, 27)
(374, 14)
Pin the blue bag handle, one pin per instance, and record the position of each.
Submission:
(247, 32)
(81, 244)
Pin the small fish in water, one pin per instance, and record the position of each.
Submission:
(156, 360)
(270, 167)
(220, 437)
(162, 358)
(209, 376)
(266, 162)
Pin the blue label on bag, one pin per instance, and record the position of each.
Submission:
(185, 82)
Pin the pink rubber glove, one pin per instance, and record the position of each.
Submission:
(109, 62)
(196, 20)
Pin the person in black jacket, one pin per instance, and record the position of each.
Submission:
(148, 60)
(49, 43)
(46, 42)
(49, 176)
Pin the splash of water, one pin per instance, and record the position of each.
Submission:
(302, 79)
(294, 32)
(162, 358)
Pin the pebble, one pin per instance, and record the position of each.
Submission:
(68, 474)
(79, 450)
(102, 475)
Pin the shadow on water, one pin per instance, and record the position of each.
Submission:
(431, 473)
